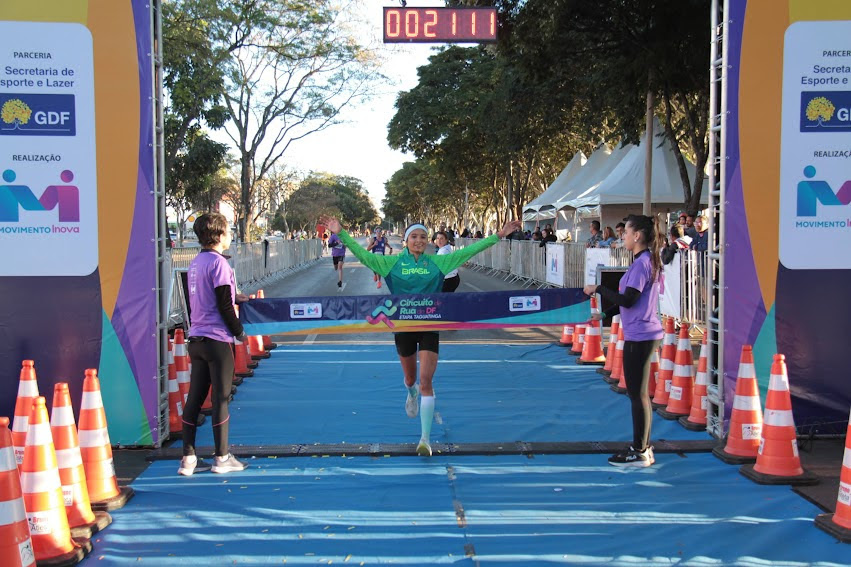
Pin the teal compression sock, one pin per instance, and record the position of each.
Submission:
(426, 415)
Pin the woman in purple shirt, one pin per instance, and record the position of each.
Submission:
(637, 298)
(213, 325)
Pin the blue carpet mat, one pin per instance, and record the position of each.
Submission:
(484, 393)
(512, 510)
(504, 510)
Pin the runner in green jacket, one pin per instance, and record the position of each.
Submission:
(414, 271)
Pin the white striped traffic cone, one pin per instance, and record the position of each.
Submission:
(16, 547)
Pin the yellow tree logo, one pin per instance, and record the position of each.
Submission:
(15, 111)
(820, 109)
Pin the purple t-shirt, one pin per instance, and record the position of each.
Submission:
(641, 321)
(336, 246)
(208, 271)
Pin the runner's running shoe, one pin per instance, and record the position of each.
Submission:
(423, 448)
(412, 408)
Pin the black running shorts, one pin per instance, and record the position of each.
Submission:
(406, 343)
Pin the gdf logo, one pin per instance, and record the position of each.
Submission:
(23, 114)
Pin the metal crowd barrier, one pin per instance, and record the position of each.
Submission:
(253, 264)
(525, 261)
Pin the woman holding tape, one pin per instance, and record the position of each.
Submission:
(637, 297)
(414, 271)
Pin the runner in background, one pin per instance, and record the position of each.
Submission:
(452, 280)
(414, 271)
(379, 245)
(338, 255)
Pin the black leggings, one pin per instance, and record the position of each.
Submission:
(636, 373)
(212, 365)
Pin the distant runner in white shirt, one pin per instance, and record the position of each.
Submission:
(452, 280)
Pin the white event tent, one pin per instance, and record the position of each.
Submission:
(541, 207)
(621, 192)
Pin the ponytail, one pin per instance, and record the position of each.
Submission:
(651, 229)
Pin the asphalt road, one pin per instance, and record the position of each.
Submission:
(320, 279)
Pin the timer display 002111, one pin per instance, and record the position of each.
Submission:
(439, 25)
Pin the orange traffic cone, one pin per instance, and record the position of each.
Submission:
(81, 519)
(16, 547)
(838, 524)
(255, 343)
(654, 373)
(592, 349)
(566, 336)
(682, 381)
(181, 364)
(617, 366)
(696, 420)
(43, 499)
(267, 341)
(777, 460)
(746, 420)
(175, 400)
(578, 339)
(104, 492)
(27, 392)
(606, 371)
(240, 359)
(207, 404)
(666, 365)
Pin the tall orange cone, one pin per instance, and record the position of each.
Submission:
(43, 499)
(654, 373)
(267, 340)
(746, 420)
(777, 460)
(606, 371)
(696, 419)
(682, 380)
(617, 366)
(16, 547)
(104, 492)
(181, 363)
(578, 339)
(81, 519)
(666, 365)
(566, 336)
(592, 349)
(240, 359)
(255, 343)
(27, 393)
(175, 404)
(838, 524)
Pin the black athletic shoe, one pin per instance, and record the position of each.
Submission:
(633, 458)
(339, 284)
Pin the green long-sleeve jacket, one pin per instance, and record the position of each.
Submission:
(406, 274)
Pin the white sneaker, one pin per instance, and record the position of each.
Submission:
(227, 464)
(423, 448)
(412, 408)
(191, 464)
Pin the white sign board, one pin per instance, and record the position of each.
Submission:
(815, 147)
(48, 184)
(593, 258)
(669, 289)
(555, 264)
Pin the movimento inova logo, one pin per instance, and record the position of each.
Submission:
(812, 191)
(828, 111)
(37, 115)
(63, 197)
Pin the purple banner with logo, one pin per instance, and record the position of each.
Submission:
(400, 313)
(788, 185)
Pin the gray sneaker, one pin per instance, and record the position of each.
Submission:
(227, 464)
(412, 408)
(191, 464)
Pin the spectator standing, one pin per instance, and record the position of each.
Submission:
(608, 238)
(700, 240)
(596, 235)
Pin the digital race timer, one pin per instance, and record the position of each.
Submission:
(439, 25)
